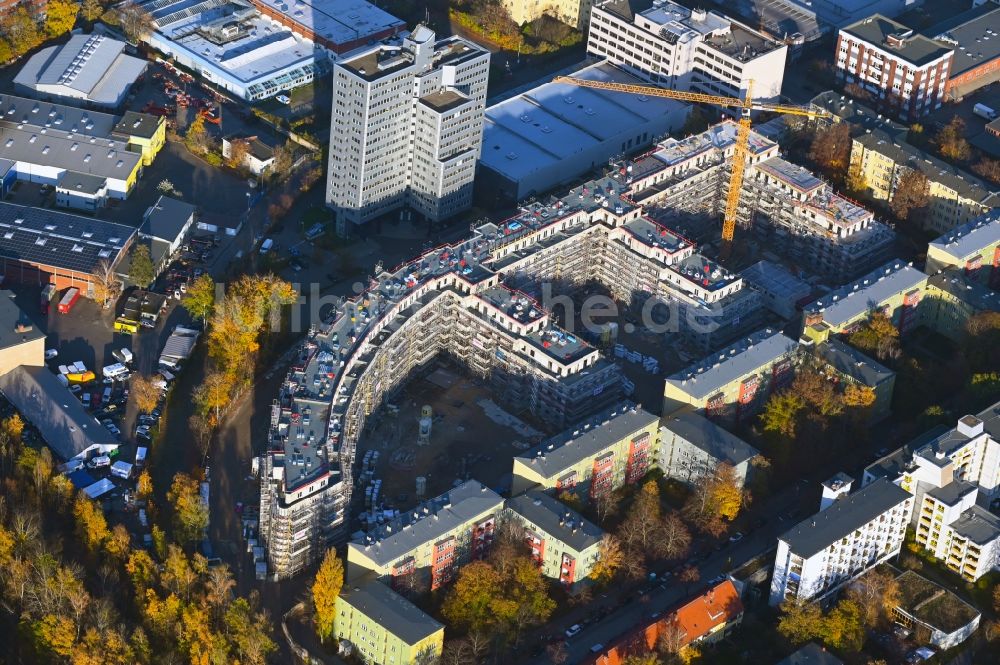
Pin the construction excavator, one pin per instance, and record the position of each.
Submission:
(742, 149)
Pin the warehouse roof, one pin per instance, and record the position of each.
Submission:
(587, 439)
(15, 326)
(974, 41)
(970, 238)
(391, 611)
(709, 437)
(16, 110)
(58, 239)
(540, 128)
(850, 301)
(143, 125)
(84, 183)
(748, 355)
(913, 48)
(843, 517)
(556, 519)
(59, 416)
(98, 156)
(429, 522)
(93, 67)
(340, 21)
(166, 219)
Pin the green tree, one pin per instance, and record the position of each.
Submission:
(141, 272)
(325, 591)
(190, 513)
(199, 300)
(60, 16)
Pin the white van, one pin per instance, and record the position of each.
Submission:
(99, 462)
(123, 356)
(116, 371)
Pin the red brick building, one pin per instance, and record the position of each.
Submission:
(905, 73)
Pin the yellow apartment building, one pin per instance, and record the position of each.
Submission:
(143, 133)
(973, 247)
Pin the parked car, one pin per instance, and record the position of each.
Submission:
(736, 537)
(51, 353)
(284, 99)
(573, 630)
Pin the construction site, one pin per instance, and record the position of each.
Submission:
(480, 305)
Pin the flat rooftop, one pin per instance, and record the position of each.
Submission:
(83, 183)
(952, 493)
(50, 238)
(793, 175)
(856, 113)
(586, 439)
(33, 113)
(915, 49)
(344, 22)
(704, 272)
(444, 100)
(978, 525)
(848, 302)
(143, 125)
(654, 234)
(84, 154)
(428, 522)
(976, 42)
(976, 294)
(544, 126)
(932, 603)
(774, 278)
(970, 238)
(742, 43)
(556, 519)
(391, 611)
(712, 373)
(719, 137)
(843, 517)
(679, 24)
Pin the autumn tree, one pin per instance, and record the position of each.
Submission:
(951, 141)
(688, 575)
(856, 183)
(800, 622)
(646, 533)
(781, 413)
(213, 395)
(92, 528)
(716, 500)
(281, 167)
(609, 559)
(818, 393)
(483, 599)
(876, 594)
(831, 148)
(91, 10)
(106, 283)
(190, 513)
(989, 169)
(324, 592)
(981, 344)
(60, 16)
(199, 300)
(239, 150)
(911, 195)
(144, 485)
(144, 392)
(20, 31)
(470, 602)
(135, 22)
(877, 336)
(858, 396)
(197, 138)
(11, 431)
(141, 271)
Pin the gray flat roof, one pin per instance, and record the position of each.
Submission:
(81, 182)
(862, 295)
(978, 525)
(710, 374)
(391, 611)
(137, 124)
(856, 113)
(58, 239)
(428, 522)
(973, 236)
(811, 654)
(556, 519)
(586, 439)
(98, 156)
(16, 110)
(776, 279)
(706, 435)
(848, 360)
(66, 426)
(11, 315)
(975, 40)
(976, 294)
(843, 517)
(951, 439)
(165, 219)
(916, 49)
(952, 493)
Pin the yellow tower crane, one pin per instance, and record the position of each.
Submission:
(742, 147)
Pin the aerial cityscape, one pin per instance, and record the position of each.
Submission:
(461, 332)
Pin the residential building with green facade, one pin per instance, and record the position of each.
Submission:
(385, 628)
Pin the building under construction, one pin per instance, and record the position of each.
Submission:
(477, 301)
(684, 183)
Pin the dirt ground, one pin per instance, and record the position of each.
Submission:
(466, 440)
